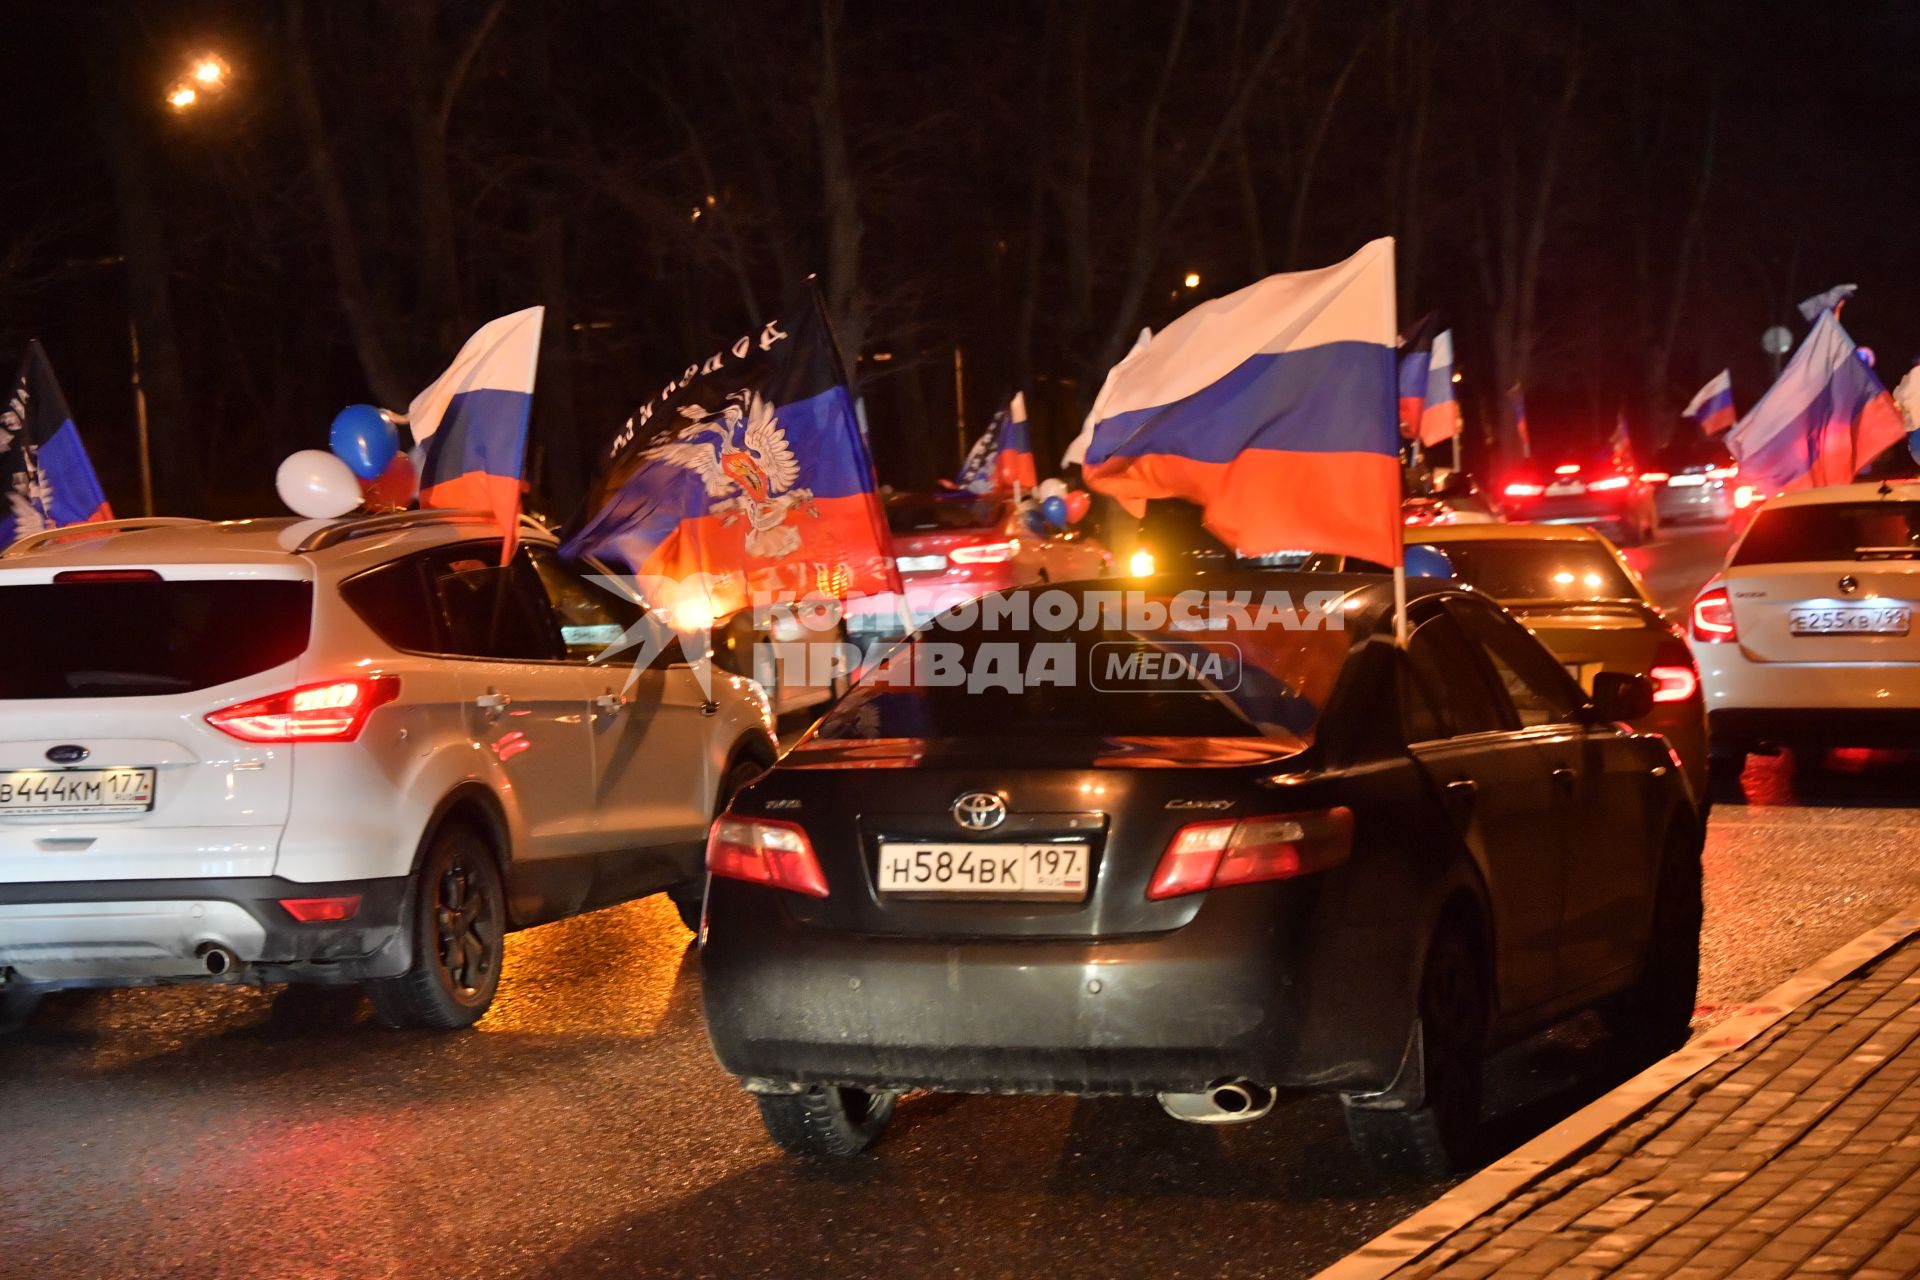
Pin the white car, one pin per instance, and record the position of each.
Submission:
(337, 752)
(1806, 638)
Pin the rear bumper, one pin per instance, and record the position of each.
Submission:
(1850, 727)
(139, 932)
(1698, 502)
(1228, 994)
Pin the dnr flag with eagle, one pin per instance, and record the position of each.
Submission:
(748, 468)
(46, 478)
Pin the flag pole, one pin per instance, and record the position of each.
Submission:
(1400, 604)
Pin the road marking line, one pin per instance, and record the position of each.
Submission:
(1410, 1239)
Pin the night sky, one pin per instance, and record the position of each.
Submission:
(1027, 182)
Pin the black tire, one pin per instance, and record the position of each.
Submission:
(1657, 1012)
(1725, 765)
(689, 898)
(1437, 1134)
(459, 940)
(826, 1121)
(16, 1007)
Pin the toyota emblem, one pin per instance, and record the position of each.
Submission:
(979, 811)
(1849, 584)
(67, 753)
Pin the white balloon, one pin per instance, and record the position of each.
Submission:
(315, 484)
(1051, 487)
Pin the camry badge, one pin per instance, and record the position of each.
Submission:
(979, 811)
(67, 753)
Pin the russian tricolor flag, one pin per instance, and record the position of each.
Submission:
(1439, 411)
(1273, 408)
(1013, 464)
(1416, 356)
(1712, 405)
(471, 424)
(1824, 419)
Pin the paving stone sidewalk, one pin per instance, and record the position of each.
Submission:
(1796, 1154)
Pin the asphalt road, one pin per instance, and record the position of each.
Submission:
(583, 1128)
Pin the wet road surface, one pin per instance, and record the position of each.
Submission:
(583, 1128)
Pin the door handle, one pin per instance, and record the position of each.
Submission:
(1564, 777)
(493, 700)
(1463, 790)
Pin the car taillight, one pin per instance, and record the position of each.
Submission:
(1567, 469)
(1722, 473)
(1654, 477)
(105, 575)
(1213, 855)
(322, 910)
(762, 852)
(1673, 684)
(984, 553)
(1521, 489)
(335, 711)
(1743, 497)
(1713, 617)
(1607, 483)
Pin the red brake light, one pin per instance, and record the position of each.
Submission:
(763, 852)
(983, 553)
(1723, 473)
(322, 910)
(334, 711)
(1713, 617)
(1743, 497)
(1567, 469)
(1673, 684)
(1521, 489)
(1654, 477)
(1609, 482)
(1213, 855)
(106, 575)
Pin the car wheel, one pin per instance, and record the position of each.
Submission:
(459, 940)
(16, 1007)
(1725, 765)
(1658, 1011)
(826, 1121)
(1433, 1134)
(690, 897)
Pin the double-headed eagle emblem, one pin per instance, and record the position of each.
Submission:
(741, 453)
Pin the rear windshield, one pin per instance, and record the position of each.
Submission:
(1216, 670)
(141, 639)
(1539, 569)
(1833, 531)
(932, 515)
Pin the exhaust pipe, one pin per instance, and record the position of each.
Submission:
(219, 960)
(1234, 1101)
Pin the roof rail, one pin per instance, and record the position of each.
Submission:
(371, 526)
(46, 538)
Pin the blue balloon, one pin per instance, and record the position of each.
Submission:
(364, 440)
(1036, 522)
(1424, 560)
(1055, 509)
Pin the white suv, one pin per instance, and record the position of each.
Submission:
(1806, 638)
(335, 751)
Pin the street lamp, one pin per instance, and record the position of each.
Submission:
(205, 75)
(1193, 280)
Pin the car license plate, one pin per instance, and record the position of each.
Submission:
(921, 564)
(1057, 871)
(50, 791)
(1851, 619)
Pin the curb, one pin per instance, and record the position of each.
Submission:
(1410, 1239)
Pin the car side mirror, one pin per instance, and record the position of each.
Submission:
(1621, 695)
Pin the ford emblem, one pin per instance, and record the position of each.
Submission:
(979, 811)
(67, 753)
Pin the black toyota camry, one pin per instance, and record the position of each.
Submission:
(1204, 840)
